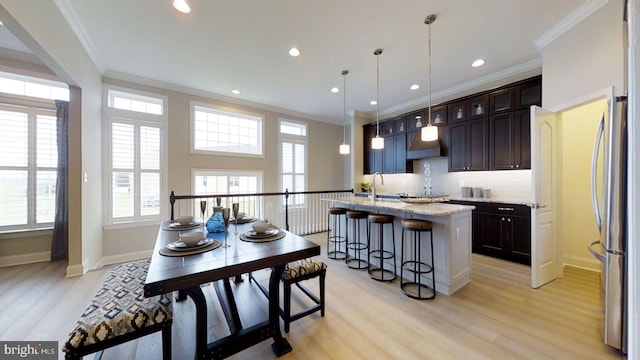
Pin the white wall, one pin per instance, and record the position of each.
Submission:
(44, 31)
(585, 59)
(577, 224)
(326, 167)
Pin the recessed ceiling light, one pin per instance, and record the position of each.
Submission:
(182, 6)
(294, 52)
(415, 87)
(335, 90)
(235, 91)
(478, 62)
(373, 102)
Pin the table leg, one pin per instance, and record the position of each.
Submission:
(228, 303)
(196, 294)
(280, 345)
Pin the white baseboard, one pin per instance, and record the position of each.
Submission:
(75, 270)
(583, 263)
(120, 258)
(22, 259)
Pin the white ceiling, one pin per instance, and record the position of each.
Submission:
(225, 44)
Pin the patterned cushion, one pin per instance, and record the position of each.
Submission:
(303, 267)
(120, 307)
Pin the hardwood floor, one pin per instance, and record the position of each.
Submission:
(497, 316)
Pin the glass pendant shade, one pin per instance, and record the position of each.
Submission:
(429, 133)
(377, 142)
(344, 147)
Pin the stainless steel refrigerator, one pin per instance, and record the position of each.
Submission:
(610, 209)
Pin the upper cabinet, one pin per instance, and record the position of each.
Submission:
(502, 100)
(484, 131)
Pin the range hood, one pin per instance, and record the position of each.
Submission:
(423, 149)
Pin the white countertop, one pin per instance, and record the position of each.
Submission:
(432, 209)
(491, 200)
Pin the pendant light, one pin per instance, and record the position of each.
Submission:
(378, 141)
(344, 148)
(429, 132)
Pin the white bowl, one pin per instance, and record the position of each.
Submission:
(191, 238)
(240, 215)
(185, 220)
(260, 226)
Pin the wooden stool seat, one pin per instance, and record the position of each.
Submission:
(416, 225)
(337, 211)
(380, 219)
(354, 214)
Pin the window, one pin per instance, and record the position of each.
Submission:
(28, 167)
(217, 130)
(29, 148)
(33, 87)
(136, 127)
(208, 182)
(293, 159)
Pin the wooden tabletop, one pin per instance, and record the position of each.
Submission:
(167, 274)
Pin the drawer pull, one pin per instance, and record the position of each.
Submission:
(505, 209)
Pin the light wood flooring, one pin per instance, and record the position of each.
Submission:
(497, 316)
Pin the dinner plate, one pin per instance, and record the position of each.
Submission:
(178, 226)
(257, 235)
(180, 246)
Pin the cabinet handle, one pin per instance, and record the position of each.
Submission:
(502, 219)
(512, 166)
(505, 209)
(508, 220)
(517, 165)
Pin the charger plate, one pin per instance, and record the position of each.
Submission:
(260, 238)
(176, 226)
(214, 244)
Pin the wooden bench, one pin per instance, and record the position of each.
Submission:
(119, 312)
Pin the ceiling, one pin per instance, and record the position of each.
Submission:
(224, 44)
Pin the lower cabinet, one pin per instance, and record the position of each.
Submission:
(504, 231)
(501, 230)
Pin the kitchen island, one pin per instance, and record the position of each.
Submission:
(451, 235)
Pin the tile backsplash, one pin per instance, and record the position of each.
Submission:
(509, 184)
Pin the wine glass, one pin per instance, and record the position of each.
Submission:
(236, 209)
(225, 218)
(203, 208)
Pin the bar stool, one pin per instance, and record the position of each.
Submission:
(377, 273)
(414, 263)
(356, 244)
(335, 240)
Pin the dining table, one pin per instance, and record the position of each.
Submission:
(233, 257)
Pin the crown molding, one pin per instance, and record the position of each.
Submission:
(577, 16)
(72, 19)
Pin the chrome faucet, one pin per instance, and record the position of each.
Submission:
(373, 184)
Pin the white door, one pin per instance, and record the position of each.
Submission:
(545, 262)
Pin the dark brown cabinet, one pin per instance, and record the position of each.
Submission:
(502, 100)
(484, 131)
(503, 231)
(372, 159)
(510, 141)
(395, 155)
(468, 145)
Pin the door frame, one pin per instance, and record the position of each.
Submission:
(605, 93)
